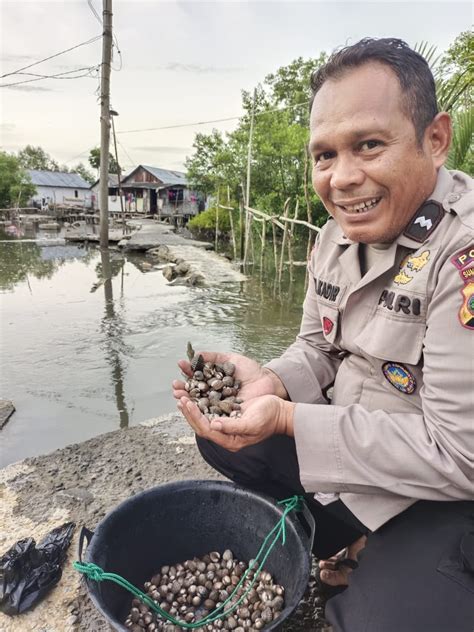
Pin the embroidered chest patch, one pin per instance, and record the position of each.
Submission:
(399, 377)
(464, 262)
(410, 265)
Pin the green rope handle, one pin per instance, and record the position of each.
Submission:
(94, 572)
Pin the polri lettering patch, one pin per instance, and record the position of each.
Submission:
(464, 262)
(400, 377)
(425, 221)
(400, 303)
(327, 290)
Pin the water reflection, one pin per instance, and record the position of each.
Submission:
(113, 327)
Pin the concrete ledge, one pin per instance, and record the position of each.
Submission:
(83, 482)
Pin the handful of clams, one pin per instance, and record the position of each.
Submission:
(213, 387)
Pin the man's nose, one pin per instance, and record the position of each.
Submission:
(346, 173)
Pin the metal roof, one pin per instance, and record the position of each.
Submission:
(57, 179)
(113, 181)
(166, 176)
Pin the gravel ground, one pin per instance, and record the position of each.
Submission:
(83, 482)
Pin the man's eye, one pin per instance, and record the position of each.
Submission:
(369, 144)
(323, 156)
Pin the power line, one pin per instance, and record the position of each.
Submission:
(230, 118)
(116, 44)
(94, 39)
(59, 75)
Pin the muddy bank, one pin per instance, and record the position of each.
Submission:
(83, 482)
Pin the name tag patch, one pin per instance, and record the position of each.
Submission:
(327, 290)
(399, 377)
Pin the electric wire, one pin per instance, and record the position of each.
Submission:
(59, 75)
(67, 50)
(115, 44)
(230, 118)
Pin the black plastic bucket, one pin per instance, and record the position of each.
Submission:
(177, 521)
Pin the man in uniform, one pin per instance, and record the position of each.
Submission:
(387, 462)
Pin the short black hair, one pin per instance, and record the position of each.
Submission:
(412, 70)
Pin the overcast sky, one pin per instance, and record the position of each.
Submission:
(182, 62)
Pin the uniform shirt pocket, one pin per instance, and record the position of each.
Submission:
(394, 340)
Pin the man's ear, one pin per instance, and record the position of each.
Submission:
(438, 136)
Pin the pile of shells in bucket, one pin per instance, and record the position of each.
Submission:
(213, 387)
(195, 588)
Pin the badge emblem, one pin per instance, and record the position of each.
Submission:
(402, 278)
(411, 263)
(463, 261)
(417, 263)
(327, 325)
(399, 377)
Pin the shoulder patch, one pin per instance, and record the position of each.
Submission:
(425, 221)
(464, 262)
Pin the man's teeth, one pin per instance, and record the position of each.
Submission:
(362, 207)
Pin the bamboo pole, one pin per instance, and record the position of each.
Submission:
(275, 250)
(290, 240)
(264, 234)
(217, 221)
(242, 228)
(283, 243)
(301, 222)
(231, 220)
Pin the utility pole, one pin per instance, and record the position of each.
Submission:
(119, 171)
(105, 123)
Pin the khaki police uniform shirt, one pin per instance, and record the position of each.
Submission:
(397, 345)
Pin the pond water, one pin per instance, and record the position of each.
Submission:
(82, 355)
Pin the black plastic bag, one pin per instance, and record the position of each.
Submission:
(28, 572)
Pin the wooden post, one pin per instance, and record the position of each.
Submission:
(242, 229)
(105, 123)
(231, 220)
(290, 241)
(119, 176)
(264, 234)
(217, 220)
(283, 243)
(249, 150)
(275, 250)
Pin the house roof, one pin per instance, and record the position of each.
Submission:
(57, 179)
(113, 181)
(164, 175)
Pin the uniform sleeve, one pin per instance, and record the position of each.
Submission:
(424, 456)
(310, 364)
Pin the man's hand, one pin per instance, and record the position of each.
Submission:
(262, 417)
(255, 380)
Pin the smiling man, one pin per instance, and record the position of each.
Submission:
(387, 462)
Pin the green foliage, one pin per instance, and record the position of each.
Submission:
(281, 133)
(454, 77)
(94, 161)
(31, 157)
(278, 144)
(206, 221)
(84, 172)
(15, 184)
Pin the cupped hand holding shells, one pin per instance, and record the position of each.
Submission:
(261, 418)
(255, 380)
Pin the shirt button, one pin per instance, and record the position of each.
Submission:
(453, 197)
